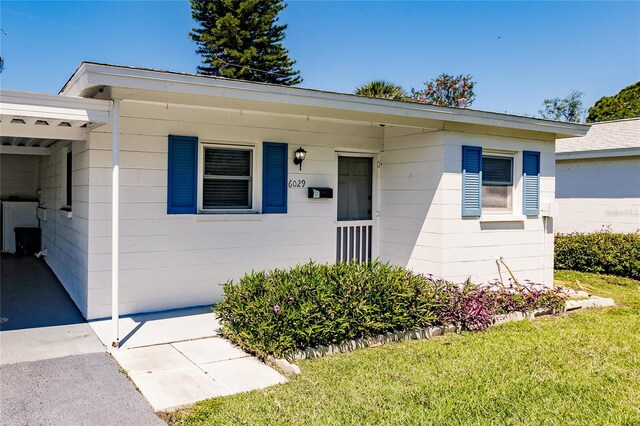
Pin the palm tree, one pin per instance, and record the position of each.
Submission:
(382, 89)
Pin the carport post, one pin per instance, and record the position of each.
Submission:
(115, 224)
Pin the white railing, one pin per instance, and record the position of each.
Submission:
(354, 241)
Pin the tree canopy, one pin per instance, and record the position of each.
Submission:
(242, 39)
(624, 104)
(446, 90)
(382, 89)
(563, 109)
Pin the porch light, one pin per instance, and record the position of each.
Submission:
(300, 155)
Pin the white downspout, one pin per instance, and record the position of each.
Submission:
(115, 224)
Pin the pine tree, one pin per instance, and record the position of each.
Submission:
(241, 39)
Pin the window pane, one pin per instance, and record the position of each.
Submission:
(227, 162)
(226, 193)
(496, 196)
(496, 170)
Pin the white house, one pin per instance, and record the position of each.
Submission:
(190, 181)
(598, 178)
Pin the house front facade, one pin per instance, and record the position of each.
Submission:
(192, 181)
(598, 179)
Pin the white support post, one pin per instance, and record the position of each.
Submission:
(115, 224)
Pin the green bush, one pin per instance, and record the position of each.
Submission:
(280, 311)
(311, 304)
(601, 252)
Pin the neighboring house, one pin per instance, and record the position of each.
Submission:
(598, 179)
(207, 188)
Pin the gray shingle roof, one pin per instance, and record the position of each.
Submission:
(608, 135)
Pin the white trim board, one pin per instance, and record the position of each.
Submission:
(24, 150)
(47, 106)
(90, 76)
(597, 154)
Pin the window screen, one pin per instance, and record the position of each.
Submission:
(227, 179)
(497, 170)
(497, 182)
(355, 188)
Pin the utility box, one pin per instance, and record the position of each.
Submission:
(550, 209)
(316, 192)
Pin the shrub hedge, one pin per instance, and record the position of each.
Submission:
(280, 311)
(602, 252)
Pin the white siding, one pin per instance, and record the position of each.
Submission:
(18, 176)
(472, 246)
(411, 202)
(421, 221)
(593, 194)
(66, 239)
(170, 261)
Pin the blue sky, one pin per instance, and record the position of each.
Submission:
(518, 52)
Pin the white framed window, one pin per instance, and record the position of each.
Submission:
(226, 178)
(67, 179)
(497, 182)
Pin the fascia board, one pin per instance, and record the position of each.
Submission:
(47, 106)
(601, 153)
(95, 75)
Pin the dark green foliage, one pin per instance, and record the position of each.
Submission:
(563, 109)
(601, 252)
(241, 39)
(309, 305)
(280, 311)
(625, 104)
(382, 89)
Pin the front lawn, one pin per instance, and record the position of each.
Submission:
(580, 368)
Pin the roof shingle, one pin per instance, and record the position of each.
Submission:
(607, 135)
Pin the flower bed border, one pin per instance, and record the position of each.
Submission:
(427, 333)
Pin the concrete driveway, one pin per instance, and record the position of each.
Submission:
(39, 319)
(53, 368)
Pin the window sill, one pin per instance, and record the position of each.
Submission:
(503, 218)
(65, 213)
(228, 217)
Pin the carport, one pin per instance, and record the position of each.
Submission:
(39, 318)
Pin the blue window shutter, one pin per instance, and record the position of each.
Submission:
(531, 182)
(274, 177)
(471, 181)
(182, 172)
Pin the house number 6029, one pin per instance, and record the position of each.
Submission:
(296, 183)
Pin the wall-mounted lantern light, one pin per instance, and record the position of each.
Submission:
(300, 154)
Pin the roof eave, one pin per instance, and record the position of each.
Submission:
(598, 153)
(92, 75)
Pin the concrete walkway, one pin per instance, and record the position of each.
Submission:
(39, 320)
(175, 358)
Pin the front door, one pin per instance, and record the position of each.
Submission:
(355, 205)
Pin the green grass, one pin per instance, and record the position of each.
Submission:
(581, 368)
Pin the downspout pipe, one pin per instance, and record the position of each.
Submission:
(115, 224)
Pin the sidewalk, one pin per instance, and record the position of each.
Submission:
(176, 358)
